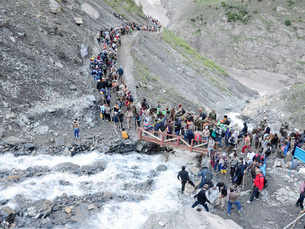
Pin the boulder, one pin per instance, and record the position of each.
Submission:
(29, 146)
(54, 6)
(8, 215)
(78, 20)
(121, 148)
(187, 218)
(147, 147)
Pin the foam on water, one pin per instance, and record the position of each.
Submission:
(133, 168)
(24, 162)
(120, 169)
(164, 197)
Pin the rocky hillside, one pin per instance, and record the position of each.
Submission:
(44, 72)
(260, 43)
(44, 47)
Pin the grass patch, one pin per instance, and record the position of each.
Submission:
(187, 51)
(128, 5)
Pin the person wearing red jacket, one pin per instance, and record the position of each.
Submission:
(258, 185)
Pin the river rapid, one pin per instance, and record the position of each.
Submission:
(146, 176)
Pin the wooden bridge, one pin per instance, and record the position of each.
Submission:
(171, 140)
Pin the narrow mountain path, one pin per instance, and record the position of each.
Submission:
(126, 61)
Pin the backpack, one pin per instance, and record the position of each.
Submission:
(262, 180)
(208, 177)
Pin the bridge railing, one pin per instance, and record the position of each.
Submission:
(175, 141)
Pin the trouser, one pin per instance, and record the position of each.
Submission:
(203, 204)
(76, 132)
(183, 184)
(237, 203)
(301, 200)
(255, 193)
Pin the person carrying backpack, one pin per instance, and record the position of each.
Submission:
(183, 176)
(258, 185)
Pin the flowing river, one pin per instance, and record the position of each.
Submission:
(123, 175)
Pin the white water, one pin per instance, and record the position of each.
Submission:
(120, 169)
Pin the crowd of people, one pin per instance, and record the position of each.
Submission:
(238, 154)
(231, 152)
(116, 102)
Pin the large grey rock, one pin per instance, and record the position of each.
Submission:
(54, 6)
(188, 218)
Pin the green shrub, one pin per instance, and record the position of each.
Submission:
(287, 22)
(236, 13)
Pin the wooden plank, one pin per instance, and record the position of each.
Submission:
(170, 140)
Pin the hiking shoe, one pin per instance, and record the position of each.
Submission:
(248, 202)
(229, 214)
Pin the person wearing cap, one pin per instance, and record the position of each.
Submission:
(183, 176)
(202, 198)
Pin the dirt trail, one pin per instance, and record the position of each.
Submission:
(126, 61)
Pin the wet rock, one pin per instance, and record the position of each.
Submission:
(3, 202)
(93, 169)
(29, 146)
(148, 147)
(76, 149)
(67, 167)
(40, 209)
(121, 148)
(161, 168)
(145, 186)
(7, 215)
(64, 182)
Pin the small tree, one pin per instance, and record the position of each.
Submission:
(287, 22)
